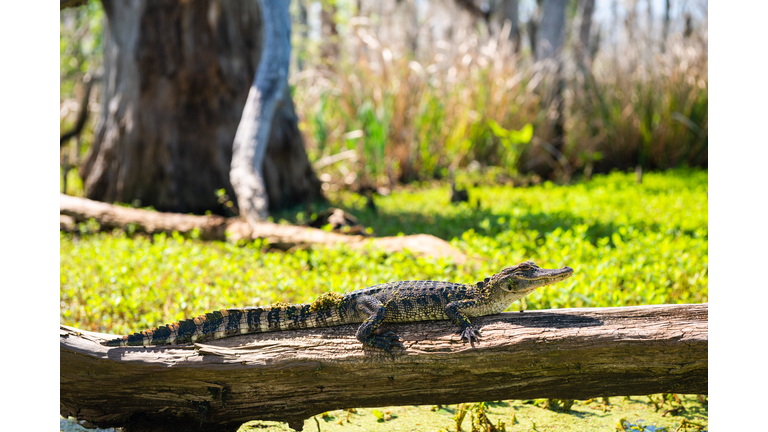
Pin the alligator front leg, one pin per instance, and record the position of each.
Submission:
(376, 312)
(468, 331)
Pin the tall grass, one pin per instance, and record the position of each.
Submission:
(456, 101)
(638, 106)
(418, 118)
(414, 117)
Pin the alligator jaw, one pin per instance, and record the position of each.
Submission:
(538, 277)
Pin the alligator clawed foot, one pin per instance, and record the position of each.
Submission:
(471, 335)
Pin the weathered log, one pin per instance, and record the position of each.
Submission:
(111, 216)
(219, 228)
(289, 376)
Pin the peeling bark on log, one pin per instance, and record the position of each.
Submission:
(291, 375)
(219, 228)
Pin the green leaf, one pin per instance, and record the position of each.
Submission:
(523, 136)
(617, 240)
(497, 130)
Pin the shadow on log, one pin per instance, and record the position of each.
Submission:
(289, 376)
(220, 228)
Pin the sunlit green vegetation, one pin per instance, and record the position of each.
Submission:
(629, 244)
(635, 414)
(655, 413)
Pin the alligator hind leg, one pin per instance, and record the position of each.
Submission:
(376, 312)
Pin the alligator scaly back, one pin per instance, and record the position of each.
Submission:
(326, 311)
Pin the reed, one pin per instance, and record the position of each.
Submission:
(417, 116)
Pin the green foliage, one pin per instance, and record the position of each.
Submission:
(629, 244)
(113, 282)
(80, 52)
(630, 414)
(512, 140)
(80, 39)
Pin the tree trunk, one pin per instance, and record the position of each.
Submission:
(585, 31)
(269, 165)
(509, 11)
(176, 79)
(288, 174)
(549, 36)
(665, 28)
(291, 375)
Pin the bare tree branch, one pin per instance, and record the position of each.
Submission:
(82, 116)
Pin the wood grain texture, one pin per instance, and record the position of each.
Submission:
(292, 375)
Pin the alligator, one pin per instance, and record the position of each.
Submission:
(393, 302)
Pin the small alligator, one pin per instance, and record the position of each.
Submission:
(405, 301)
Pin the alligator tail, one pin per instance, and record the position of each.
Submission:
(231, 322)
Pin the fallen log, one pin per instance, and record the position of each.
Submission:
(220, 228)
(291, 375)
(111, 216)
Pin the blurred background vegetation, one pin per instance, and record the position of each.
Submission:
(412, 89)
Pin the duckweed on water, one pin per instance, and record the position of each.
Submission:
(629, 244)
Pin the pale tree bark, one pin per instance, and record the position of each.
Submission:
(267, 91)
(549, 38)
(290, 376)
(176, 79)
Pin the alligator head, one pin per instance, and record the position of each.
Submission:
(527, 276)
